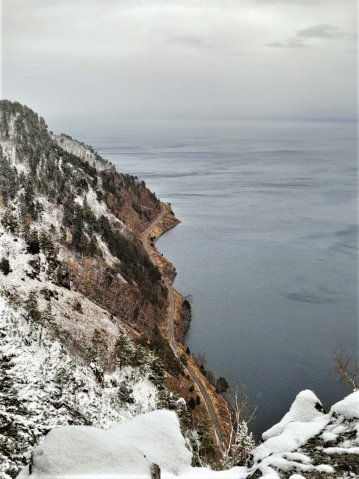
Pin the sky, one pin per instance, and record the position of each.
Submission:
(107, 60)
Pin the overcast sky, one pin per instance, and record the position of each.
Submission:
(185, 58)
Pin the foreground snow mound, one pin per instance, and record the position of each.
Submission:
(124, 451)
(85, 451)
(305, 407)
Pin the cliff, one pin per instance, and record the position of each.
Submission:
(82, 305)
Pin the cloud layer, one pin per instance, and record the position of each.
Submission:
(146, 59)
(323, 31)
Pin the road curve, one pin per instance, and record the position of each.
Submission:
(196, 379)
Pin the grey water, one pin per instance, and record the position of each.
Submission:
(267, 247)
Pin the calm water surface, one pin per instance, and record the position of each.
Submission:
(267, 245)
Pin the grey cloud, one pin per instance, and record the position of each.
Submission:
(100, 62)
(324, 30)
(190, 41)
(290, 43)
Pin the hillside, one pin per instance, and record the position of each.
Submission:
(82, 305)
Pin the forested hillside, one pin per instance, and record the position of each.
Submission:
(81, 302)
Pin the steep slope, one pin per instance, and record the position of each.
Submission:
(92, 214)
(80, 300)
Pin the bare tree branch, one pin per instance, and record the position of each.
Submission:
(347, 368)
(240, 442)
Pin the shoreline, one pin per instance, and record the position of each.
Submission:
(215, 404)
(161, 224)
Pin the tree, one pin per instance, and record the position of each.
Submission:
(9, 221)
(347, 368)
(33, 243)
(221, 385)
(191, 403)
(240, 442)
(32, 308)
(5, 266)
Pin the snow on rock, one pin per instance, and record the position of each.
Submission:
(305, 407)
(65, 452)
(81, 150)
(158, 435)
(301, 443)
(348, 407)
(304, 420)
(127, 450)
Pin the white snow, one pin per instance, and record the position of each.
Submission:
(9, 152)
(129, 449)
(301, 422)
(64, 453)
(303, 409)
(293, 435)
(56, 389)
(341, 450)
(305, 420)
(124, 451)
(348, 407)
(158, 436)
(81, 150)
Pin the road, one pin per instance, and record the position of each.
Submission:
(195, 377)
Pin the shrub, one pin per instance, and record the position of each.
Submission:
(221, 385)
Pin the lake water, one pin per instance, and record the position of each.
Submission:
(267, 246)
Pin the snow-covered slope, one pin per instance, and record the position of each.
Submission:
(307, 443)
(68, 350)
(43, 387)
(82, 151)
